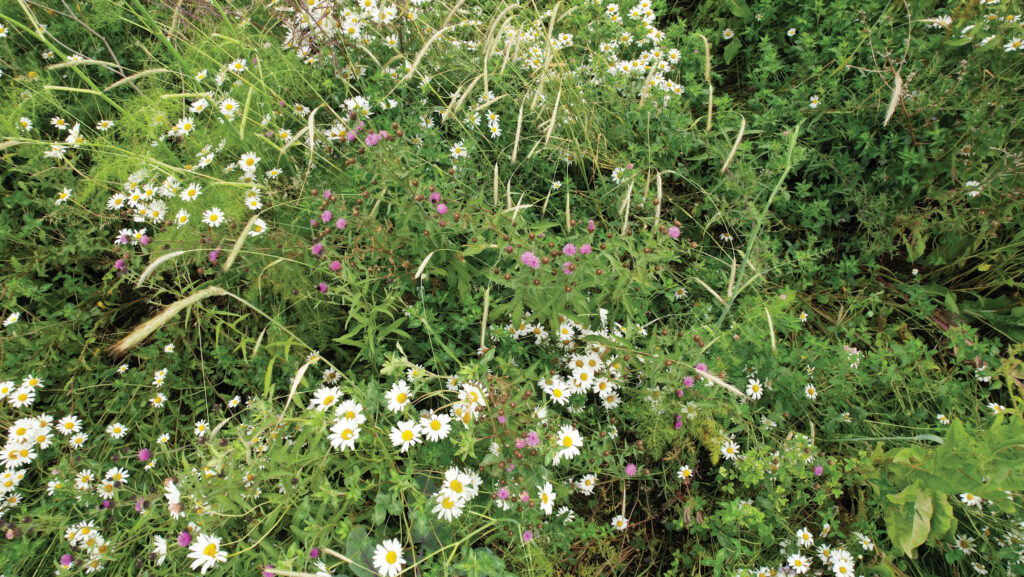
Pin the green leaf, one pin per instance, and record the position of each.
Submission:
(268, 378)
(359, 548)
(732, 49)
(950, 300)
(909, 523)
(943, 521)
(738, 8)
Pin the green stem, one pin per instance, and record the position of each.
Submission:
(760, 223)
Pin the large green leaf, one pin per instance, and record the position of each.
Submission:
(732, 49)
(738, 8)
(909, 521)
(359, 548)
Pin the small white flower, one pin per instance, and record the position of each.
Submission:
(436, 426)
(213, 217)
(804, 538)
(754, 389)
(117, 430)
(569, 442)
(344, 434)
(206, 552)
(799, 563)
(730, 450)
(546, 495)
(405, 434)
(248, 162)
(388, 559)
(620, 522)
(325, 398)
(63, 196)
(398, 397)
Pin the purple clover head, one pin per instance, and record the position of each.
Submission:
(530, 260)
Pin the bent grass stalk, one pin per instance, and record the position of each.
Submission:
(143, 331)
(759, 223)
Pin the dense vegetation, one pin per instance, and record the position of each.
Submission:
(477, 288)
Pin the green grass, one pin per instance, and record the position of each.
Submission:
(757, 259)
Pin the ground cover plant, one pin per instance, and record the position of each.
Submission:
(481, 288)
